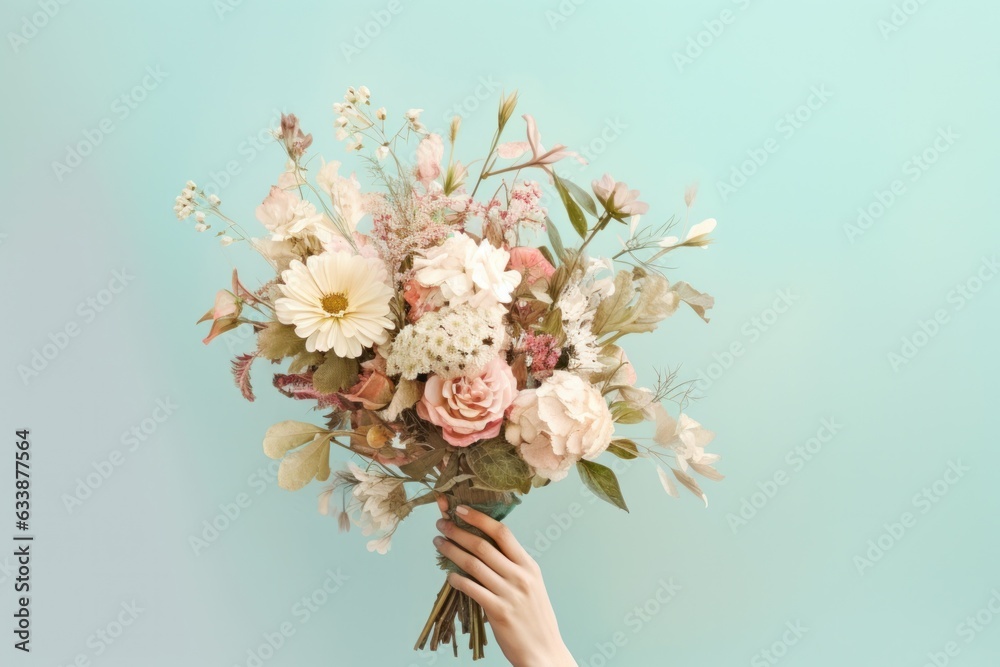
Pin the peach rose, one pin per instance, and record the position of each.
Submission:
(469, 409)
(373, 391)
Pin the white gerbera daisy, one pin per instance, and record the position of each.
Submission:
(337, 301)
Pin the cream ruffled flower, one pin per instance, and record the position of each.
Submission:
(337, 301)
(465, 272)
(562, 421)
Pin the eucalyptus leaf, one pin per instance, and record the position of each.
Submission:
(602, 481)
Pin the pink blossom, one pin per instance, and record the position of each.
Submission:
(539, 156)
(469, 409)
(430, 150)
(296, 141)
(531, 263)
(543, 351)
(224, 314)
(617, 198)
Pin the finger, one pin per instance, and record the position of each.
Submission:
(499, 533)
(442, 503)
(471, 565)
(478, 547)
(487, 600)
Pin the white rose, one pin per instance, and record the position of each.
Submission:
(558, 423)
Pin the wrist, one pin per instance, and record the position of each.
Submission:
(558, 657)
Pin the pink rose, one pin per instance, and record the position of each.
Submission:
(469, 409)
(531, 263)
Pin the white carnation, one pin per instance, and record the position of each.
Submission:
(465, 272)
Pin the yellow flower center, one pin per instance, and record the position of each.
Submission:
(335, 304)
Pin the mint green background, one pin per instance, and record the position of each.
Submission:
(826, 357)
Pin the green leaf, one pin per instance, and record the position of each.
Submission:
(555, 239)
(576, 217)
(335, 374)
(277, 341)
(581, 196)
(498, 466)
(602, 481)
(623, 413)
(423, 464)
(287, 435)
(623, 448)
(304, 361)
(547, 255)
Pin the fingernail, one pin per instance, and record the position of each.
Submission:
(441, 523)
(438, 541)
(462, 509)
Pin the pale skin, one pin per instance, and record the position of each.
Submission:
(508, 585)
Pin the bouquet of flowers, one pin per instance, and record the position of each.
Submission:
(457, 347)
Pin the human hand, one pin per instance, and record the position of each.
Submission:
(508, 584)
